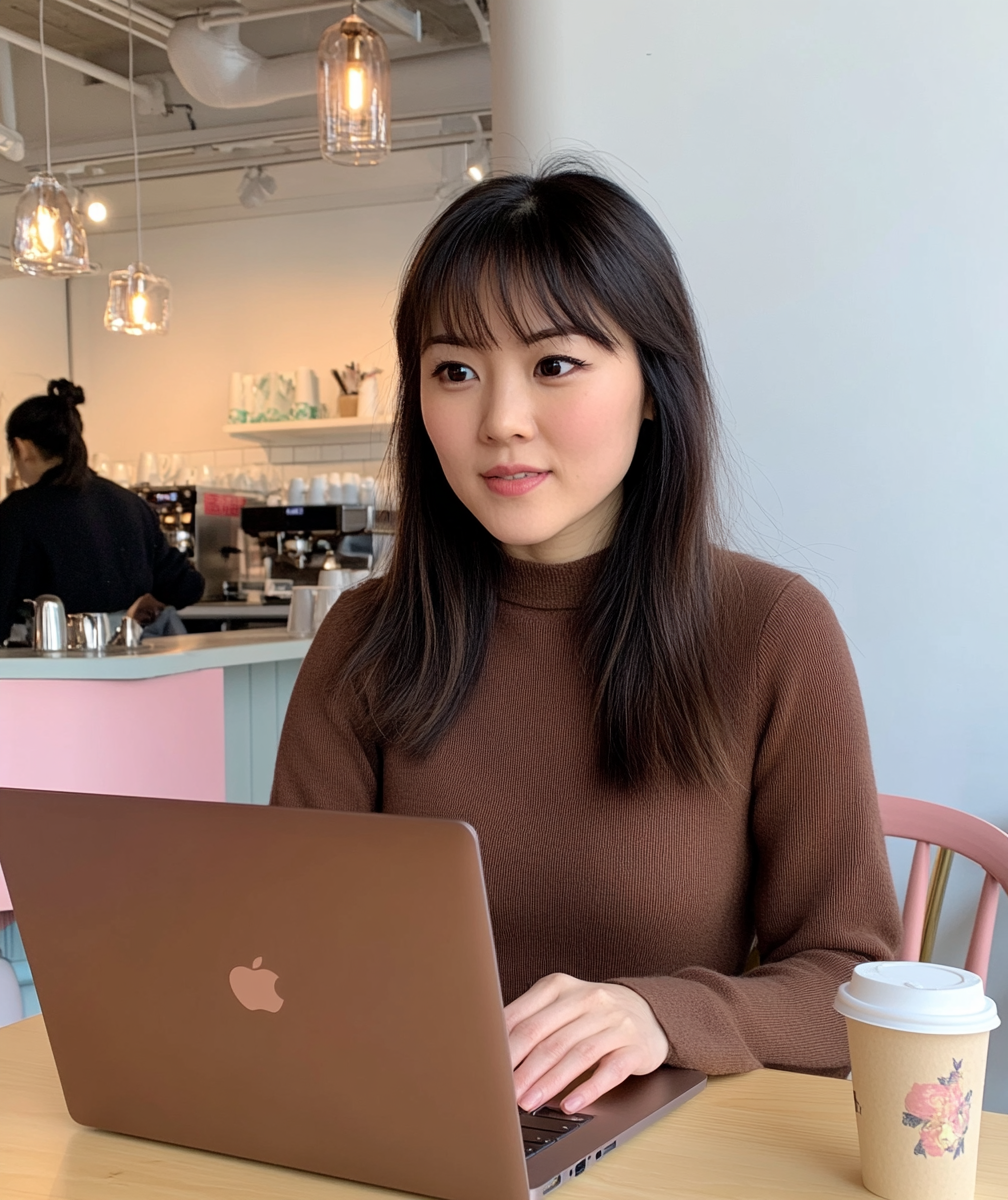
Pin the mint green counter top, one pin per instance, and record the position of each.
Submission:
(162, 656)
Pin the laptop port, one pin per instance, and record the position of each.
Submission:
(611, 1146)
(579, 1169)
(553, 1183)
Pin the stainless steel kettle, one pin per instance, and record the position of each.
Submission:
(49, 624)
(89, 631)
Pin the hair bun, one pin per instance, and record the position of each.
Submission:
(63, 389)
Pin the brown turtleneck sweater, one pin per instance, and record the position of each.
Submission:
(662, 889)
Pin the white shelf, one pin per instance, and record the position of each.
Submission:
(321, 429)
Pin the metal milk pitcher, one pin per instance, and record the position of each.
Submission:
(50, 625)
(89, 631)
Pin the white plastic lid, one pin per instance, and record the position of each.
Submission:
(917, 998)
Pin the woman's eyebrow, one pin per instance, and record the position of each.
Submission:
(547, 335)
(530, 339)
(447, 339)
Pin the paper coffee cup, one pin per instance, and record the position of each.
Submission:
(918, 1036)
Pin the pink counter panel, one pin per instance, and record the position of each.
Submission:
(140, 737)
(196, 718)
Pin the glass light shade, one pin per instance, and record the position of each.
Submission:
(354, 94)
(138, 302)
(49, 236)
(477, 160)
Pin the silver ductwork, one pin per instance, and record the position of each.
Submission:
(217, 69)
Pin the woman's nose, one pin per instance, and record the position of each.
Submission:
(507, 413)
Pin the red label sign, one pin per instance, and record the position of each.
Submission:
(216, 505)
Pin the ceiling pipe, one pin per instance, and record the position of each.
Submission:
(142, 15)
(218, 70)
(147, 98)
(482, 24)
(97, 16)
(405, 20)
(11, 142)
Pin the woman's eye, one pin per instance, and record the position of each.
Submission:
(555, 368)
(456, 372)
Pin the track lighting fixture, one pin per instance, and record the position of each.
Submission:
(255, 188)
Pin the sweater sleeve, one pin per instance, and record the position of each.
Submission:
(821, 888)
(328, 756)
(176, 580)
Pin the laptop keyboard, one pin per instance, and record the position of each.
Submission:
(548, 1125)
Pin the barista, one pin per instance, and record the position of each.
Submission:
(72, 534)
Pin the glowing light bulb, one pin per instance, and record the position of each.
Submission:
(97, 211)
(139, 308)
(475, 172)
(355, 88)
(44, 229)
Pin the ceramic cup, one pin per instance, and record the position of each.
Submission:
(351, 488)
(317, 489)
(296, 491)
(147, 469)
(325, 598)
(918, 1036)
(301, 615)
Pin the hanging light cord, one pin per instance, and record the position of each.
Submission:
(45, 84)
(136, 152)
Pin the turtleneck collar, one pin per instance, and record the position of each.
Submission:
(553, 585)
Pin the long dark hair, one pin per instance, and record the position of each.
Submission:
(582, 251)
(53, 423)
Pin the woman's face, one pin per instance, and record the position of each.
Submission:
(535, 437)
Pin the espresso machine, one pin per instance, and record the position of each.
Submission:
(206, 527)
(296, 542)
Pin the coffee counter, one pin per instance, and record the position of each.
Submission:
(160, 656)
(187, 718)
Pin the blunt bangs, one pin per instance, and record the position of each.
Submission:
(526, 265)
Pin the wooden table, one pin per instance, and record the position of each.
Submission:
(763, 1136)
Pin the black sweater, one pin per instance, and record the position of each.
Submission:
(98, 547)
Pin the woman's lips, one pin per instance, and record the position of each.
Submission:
(514, 480)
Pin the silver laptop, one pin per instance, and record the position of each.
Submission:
(312, 989)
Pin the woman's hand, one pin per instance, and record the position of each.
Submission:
(562, 1027)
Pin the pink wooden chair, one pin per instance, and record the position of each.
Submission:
(960, 833)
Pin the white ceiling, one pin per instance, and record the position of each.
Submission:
(90, 121)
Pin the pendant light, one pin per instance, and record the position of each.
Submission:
(354, 93)
(139, 301)
(49, 236)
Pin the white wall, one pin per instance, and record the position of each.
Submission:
(33, 344)
(316, 289)
(834, 178)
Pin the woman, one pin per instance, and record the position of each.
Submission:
(660, 743)
(72, 534)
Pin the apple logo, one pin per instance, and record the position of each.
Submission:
(256, 988)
